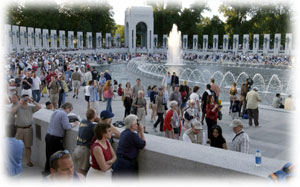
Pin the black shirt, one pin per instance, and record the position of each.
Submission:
(95, 74)
(26, 86)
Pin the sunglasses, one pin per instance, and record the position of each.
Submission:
(58, 155)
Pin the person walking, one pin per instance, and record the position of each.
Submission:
(152, 102)
(36, 87)
(54, 91)
(108, 95)
(174, 80)
(127, 99)
(160, 110)
(102, 81)
(211, 115)
(76, 82)
(137, 87)
(141, 104)
(253, 99)
(232, 92)
(172, 123)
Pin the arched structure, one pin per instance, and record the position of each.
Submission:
(139, 28)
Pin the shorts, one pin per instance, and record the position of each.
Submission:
(54, 98)
(26, 135)
(81, 157)
(87, 98)
(76, 84)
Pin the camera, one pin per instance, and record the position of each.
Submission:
(138, 122)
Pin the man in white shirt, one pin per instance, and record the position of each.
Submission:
(194, 134)
(195, 96)
(36, 87)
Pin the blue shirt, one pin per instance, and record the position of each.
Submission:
(59, 122)
(93, 94)
(85, 133)
(129, 144)
(13, 162)
(102, 81)
(68, 75)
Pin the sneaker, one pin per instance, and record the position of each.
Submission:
(146, 132)
(74, 96)
(154, 129)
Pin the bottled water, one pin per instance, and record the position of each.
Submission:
(258, 158)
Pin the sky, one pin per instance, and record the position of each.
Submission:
(119, 7)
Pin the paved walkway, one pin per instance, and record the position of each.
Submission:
(272, 139)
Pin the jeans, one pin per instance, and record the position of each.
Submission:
(36, 94)
(210, 123)
(108, 104)
(62, 99)
(161, 120)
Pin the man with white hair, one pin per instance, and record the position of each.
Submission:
(194, 134)
(241, 140)
(252, 99)
(129, 145)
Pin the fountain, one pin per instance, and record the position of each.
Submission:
(174, 47)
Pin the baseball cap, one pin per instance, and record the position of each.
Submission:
(236, 123)
(106, 114)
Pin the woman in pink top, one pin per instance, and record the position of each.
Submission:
(102, 153)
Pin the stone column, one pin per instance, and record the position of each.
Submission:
(277, 43)
(266, 43)
(108, 40)
(235, 44)
(155, 40)
(288, 43)
(205, 43)
(71, 39)
(195, 42)
(79, 40)
(38, 38)
(185, 41)
(255, 43)
(30, 36)
(8, 38)
(62, 39)
(23, 38)
(215, 42)
(245, 43)
(45, 39)
(15, 37)
(98, 40)
(225, 42)
(53, 39)
(118, 40)
(89, 40)
(165, 41)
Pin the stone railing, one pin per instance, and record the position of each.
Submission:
(167, 157)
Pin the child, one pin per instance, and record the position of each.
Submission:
(235, 107)
(115, 85)
(87, 93)
(120, 90)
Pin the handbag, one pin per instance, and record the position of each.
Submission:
(133, 109)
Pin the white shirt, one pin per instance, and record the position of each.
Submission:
(87, 91)
(186, 138)
(36, 83)
(194, 96)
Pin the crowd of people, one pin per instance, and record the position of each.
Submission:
(178, 109)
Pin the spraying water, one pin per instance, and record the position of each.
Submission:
(174, 47)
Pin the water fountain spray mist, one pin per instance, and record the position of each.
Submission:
(174, 47)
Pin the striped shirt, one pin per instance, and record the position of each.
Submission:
(241, 142)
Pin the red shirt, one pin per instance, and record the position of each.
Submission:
(106, 152)
(48, 77)
(167, 121)
(213, 115)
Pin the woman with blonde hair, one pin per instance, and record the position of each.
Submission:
(108, 94)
